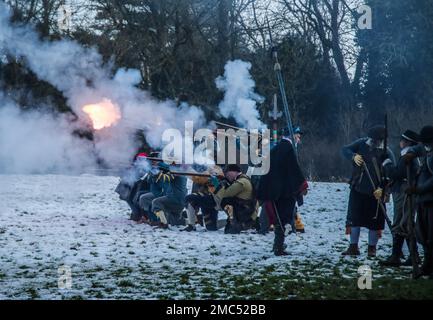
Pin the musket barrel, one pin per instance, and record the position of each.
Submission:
(190, 174)
(236, 128)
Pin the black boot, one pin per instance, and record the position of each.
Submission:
(427, 265)
(392, 261)
(397, 252)
(279, 244)
(408, 262)
(189, 228)
(274, 249)
(232, 227)
(371, 252)
(353, 250)
(280, 253)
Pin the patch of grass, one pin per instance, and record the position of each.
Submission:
(271, 286)
(125, 283)
(96, 285)
(34, 294)
(108, 290)
(184, 278)
(94, 294)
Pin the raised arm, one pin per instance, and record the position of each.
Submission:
(349, 151)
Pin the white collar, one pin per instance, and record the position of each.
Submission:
(404, 151)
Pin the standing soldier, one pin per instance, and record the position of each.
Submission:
(424, 192)
(398, 175)
(282, 186)
(367, 155)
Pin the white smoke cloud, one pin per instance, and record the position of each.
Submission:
(79, 73)
(34, 142)
(240, 100)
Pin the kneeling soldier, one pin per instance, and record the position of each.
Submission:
(237, 199)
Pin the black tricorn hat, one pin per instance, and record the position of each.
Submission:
(377, 133)
(232, 167)
(410, 136)
(426, 134)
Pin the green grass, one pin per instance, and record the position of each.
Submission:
(297, 279)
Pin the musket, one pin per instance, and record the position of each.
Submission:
(222, 124)
(153, 159)
(191, 174)
(380, 202)
(411, 229)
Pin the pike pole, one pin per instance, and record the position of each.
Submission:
(416, 272)
(380, 201)
(277, 69)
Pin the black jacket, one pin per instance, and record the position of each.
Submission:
(425, 178)
(398, 174)
(360, 181)
(285, 177)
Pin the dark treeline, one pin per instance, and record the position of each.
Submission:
(340, 79)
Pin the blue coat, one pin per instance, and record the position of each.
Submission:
(398, 174)
(176, 190)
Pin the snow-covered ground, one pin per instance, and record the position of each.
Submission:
(52, 221)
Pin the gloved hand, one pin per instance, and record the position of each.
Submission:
(378, 193)
(409, 157)
(214, 181)
(412, 190)
(359, 161)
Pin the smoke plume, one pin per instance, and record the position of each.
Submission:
(240, 100)
(34, 142)
(83, 78)
(107, 99)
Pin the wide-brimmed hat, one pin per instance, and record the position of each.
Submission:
(426, 134)
(377, 133)
(232, 167)
(410, 136)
